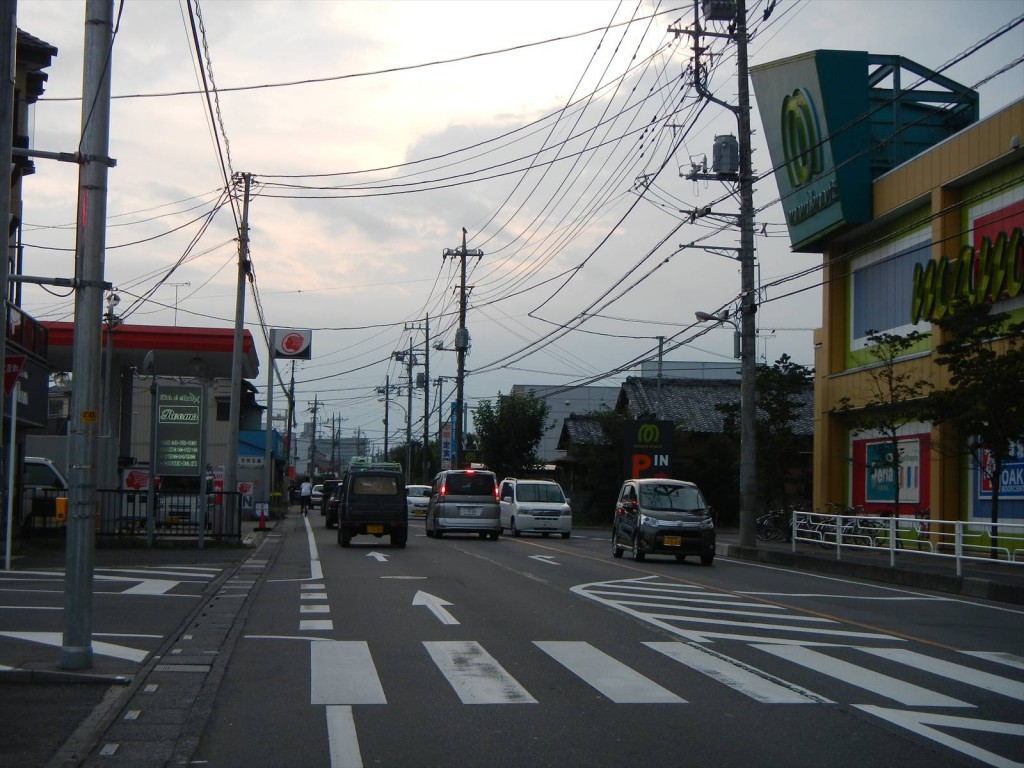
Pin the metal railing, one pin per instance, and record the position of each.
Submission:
(123, 514)
(948, 539)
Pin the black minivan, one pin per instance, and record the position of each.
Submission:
(373, 504)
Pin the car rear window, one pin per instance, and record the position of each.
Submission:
(540, 492)
(374, 486)
(417, 491)
(470, 485)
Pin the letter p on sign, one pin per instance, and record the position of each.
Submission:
(640, 463)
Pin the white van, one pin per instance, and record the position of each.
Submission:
(534, 506)
(41, 484)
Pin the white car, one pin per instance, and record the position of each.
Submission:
(534, 506)
(417, 497)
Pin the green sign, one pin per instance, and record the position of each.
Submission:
(179, 430)
(813, 112)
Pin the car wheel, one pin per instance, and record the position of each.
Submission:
(484, 535)
(545, 534)
(638, 556)
(566, 535)
(616, 549)
(344, 538)
(398, 540)
(515, 531)
(680, 558)
(707, 559)
(438, 534)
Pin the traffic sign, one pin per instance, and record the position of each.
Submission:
(12, 369)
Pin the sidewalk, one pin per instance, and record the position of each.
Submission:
(998, 581)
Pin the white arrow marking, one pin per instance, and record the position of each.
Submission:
(549, 559)
(435, 604)
(919, 723)
(379, 556)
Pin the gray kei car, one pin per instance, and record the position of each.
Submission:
(658, 516)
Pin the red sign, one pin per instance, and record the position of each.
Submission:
(12, 369)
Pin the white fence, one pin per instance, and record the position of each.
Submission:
(949, 539)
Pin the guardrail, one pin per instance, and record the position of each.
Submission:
(948, 539)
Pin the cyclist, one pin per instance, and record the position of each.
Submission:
(305, 496)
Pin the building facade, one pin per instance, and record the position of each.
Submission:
(900, 239)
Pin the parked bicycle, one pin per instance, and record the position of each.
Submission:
(774, 525)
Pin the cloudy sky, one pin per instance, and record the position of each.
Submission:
(556, 133)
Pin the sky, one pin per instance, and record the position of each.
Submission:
(557, 134)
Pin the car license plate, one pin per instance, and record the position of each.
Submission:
(472, 511)
(375, 529)
(673, 541)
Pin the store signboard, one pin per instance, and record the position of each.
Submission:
(179, 430)
(648, 445)
(815, 116)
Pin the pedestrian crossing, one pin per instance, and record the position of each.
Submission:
(344, 673)
(700, 615)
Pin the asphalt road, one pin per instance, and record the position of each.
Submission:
(544, 652)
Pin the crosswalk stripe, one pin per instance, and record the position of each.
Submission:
(755, 683)
(883, 685)
(1012, 688)
(475, 675)
(611, 677)
(342, 672)
(1009, 659)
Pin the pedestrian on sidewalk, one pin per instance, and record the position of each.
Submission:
(305, 495)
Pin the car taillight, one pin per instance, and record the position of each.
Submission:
(443, 491)
(497, 496)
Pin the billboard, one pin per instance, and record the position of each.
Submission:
(648, 447)
(179, 429)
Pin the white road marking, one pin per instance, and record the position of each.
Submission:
(152, 587)
(548, 559)
(342, 737)
(686, 609)
(313, 596)
(749, 681)
(883, 685)
(1009, 659)
(313, 625)
(919, 722)
(1012, 688)
(314, 609)
(435, 605)
(621, 684)
(342, 672)
(380, 557)
(474, 674)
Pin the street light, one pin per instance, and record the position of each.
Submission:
(707, 317)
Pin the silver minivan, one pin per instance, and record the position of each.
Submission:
(464, 501)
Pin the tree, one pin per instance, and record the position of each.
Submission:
(509, 433)
(984, 404)
(782, 391)
(895, 400)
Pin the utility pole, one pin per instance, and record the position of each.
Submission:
(426, 399)
(387, 404)
(176, 287)
(231, 496)
(8, 47)
(461, 346)
(292, 456)
(748, 298)
(76, 651)
(311, 466)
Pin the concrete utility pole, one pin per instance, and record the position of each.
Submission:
(231, 496)
(461, 347)
(426, 400)
(311, 465)
(8, 47)
(76, 651)
(748, 297)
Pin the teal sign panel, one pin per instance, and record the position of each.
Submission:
(815, 116)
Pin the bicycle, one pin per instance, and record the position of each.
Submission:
(774, 525)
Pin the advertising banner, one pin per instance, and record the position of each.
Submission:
(179, 429)
(875, 473)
